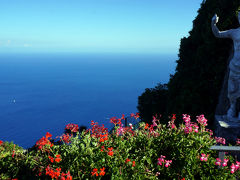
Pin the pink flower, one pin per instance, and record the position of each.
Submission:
(204, 157)
(120, 130)
(220, 140)
(188, 128)
(218, 162)
(237, 165)
(154, 121)
(161, 160)
(196, 128)
(168, 163)
(201, 120)
(225, 162)
(233, 168)
(186, 118)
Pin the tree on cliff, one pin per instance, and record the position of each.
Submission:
(202, 63)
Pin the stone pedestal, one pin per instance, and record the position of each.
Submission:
(227, 128)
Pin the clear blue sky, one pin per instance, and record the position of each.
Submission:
(151, 26)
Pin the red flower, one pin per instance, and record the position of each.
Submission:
(66, 138)
(72, 127)
(114, 120)
(146, 126)
(94, 172)
(13, 152)
(127, 160)
(53, 173)
(48, 135)
(44, 141)
(103, 137)
(102, 172)
(1, 142)
(51, 159)
(133, 163)
(102, 149)
(110, 151)
(58, 159)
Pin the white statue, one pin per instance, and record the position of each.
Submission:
(234, 65)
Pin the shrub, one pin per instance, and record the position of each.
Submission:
(151, 151)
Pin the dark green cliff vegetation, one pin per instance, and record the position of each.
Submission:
(201, 66)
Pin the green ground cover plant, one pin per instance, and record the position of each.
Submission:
(142, 151)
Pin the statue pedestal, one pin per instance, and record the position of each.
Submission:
(228, 128)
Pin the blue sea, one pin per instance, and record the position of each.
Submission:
(42, 93)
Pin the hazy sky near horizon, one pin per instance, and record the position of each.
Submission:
(148, 26)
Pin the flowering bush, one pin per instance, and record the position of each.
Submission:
(151, 151)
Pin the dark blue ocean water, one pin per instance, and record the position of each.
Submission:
(42, 93)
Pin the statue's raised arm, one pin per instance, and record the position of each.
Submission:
(216, 32)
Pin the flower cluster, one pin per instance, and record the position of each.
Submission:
(72, 128)
(96, 173)
(56, 174)
(66, 138)
(172, 122)
(136, 116)
(202, 120)
(110, 151)
(103, 137)
(162, 161)
(57, 159)
(97, 131)
(116, 120)
(189, 126)
(220, 140)
(129, 161)
(234, 167)
(44, 141)
(204, 157)
(123, 130)
(1, 142)
(220, 163)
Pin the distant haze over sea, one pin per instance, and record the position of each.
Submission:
(42, 93)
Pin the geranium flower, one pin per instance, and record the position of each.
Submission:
(51, 159)
(94, 172)
(72, 127)
(218, 162)
(102, 172)
(133, 163)
(168, 163)
(225, 162)
(66, 138)
(161, 160)
(1, 142)
(58, 159)
(237, 165)
(204, 157)
(233, 168)
(220, 140)
(110, 151)
(202, 120)
(127, 160)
